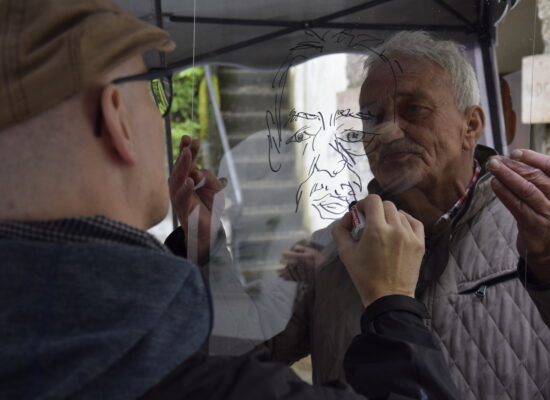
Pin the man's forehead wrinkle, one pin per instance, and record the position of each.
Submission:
(415, 93)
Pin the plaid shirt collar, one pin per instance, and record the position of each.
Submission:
(484, 153)
(98, 229)
(453, 211)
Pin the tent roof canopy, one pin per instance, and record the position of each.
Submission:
(259, 33)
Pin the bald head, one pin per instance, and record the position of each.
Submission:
(55, 167)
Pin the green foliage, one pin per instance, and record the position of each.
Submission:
(184, 115)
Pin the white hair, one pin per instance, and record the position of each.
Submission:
(446, 53)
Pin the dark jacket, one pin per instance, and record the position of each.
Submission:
(394, 357)
(93, 320)
(104, 320)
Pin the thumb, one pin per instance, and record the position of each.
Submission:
(341, 234)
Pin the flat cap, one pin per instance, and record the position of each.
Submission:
(52, 49)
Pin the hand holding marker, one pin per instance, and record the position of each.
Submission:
(358, 220)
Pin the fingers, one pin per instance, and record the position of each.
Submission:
(192, 144)
(416, 225)
(341, 233)
(391, 214)
(185, 164)
(184, 142)
(211, 182)
(380, 213)
(301, 249)
(532, 158)
(529, 184)
(413, 225)
(290, 257)
(532, 174)
(180, 172)
(521, 210)
(293, 258)
(373, 210)
(293, 273)
(195, 147)
(182, 199)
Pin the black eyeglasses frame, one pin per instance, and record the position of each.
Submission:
(155, 73)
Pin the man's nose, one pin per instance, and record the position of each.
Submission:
(389, 131)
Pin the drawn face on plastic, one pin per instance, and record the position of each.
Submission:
(418, 126)
(331, 143)
(330, 139)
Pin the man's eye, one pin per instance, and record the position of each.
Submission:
(415, 110)
(353, 136)
(298, 137)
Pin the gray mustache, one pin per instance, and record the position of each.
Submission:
(400, 146)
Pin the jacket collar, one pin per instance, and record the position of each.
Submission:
(482, 154)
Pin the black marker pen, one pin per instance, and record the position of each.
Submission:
(358, 220)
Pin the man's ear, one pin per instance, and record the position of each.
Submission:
(475, 125)
(116, 125)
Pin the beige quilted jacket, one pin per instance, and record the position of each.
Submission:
(492, 334)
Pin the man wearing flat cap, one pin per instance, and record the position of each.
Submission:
(92, 306)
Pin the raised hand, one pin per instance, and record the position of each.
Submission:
(197, 198)
(522, 183)
(301, 262)
(386, 259)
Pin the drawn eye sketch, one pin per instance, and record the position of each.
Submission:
(331, 142)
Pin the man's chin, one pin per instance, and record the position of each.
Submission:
(400, 183)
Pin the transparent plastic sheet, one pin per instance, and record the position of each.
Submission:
(297, 149)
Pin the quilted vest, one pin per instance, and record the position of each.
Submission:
(490, 330)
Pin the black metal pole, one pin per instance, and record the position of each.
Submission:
(314, 24)
(167, 124)
(282, 32)
(455, 13)
(273, 35)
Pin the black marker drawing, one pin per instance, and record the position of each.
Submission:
(328, 197)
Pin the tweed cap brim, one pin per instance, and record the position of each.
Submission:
(53, 49)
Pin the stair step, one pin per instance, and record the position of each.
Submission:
(263, 211)
(270, 220)
(260, 265)
(244, 124)
(263, 184)
(252, 159)
(268, 248)
(263, 237)
(249, 98)
(237, 77)
(273, 194)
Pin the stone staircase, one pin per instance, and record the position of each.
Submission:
(267, 223)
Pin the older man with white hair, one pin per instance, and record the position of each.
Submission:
(422, 103)
(94, 307)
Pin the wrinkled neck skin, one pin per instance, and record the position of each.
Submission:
(428, 202)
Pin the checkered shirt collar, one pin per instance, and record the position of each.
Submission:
(453, 211)
(98, 229)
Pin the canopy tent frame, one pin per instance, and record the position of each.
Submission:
(483, 28)
(321, 22)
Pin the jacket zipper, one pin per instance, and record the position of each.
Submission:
(480, 290)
